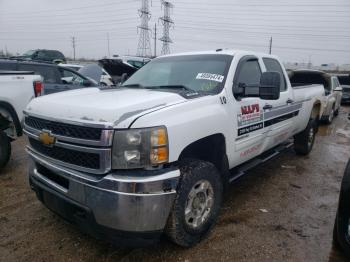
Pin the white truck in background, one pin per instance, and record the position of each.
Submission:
(154, 155)
(16, 91)
(333, 90)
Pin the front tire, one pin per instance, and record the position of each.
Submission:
(304, 141)
(5, 149)
(197, 203)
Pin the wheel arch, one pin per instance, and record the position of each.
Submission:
(316, 111)
(212, 149)
(9, 108)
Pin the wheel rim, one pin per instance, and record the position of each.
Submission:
(311, 137)
(199, 204)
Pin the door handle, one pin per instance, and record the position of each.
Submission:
(267, 106)
(290, 101)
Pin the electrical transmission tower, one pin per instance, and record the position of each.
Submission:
(144, 46)
(167, 23)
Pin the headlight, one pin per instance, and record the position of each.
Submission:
(140, 148)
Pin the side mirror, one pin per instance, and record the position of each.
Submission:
(123, 78)
(269, 88)
(338, 89)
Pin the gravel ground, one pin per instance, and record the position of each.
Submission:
(299, 195)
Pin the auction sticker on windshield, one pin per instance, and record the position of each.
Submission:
(212, 77)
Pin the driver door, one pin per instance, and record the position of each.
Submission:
(251, 136)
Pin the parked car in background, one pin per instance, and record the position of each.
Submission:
(155, 154)
(341, 231)
(55, 78)
(134, 61)
(43, 55)
(16, 91)
(106, 79)
(344, 81)
(117, 69)
(333, 90)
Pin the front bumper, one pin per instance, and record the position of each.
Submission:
(124, 205)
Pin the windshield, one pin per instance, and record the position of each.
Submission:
(199, 73)
(29, 53)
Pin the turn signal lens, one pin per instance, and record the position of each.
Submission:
(159, 137)
(159, 155)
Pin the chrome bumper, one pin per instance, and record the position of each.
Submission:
(126, 202)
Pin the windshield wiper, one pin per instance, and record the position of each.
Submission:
(132, 86)
(171, 87)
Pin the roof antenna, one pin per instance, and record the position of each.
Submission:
(218, 50)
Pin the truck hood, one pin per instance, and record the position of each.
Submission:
(116, 108)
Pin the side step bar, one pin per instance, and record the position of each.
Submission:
(241, 170)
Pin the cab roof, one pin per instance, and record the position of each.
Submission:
(231, 52)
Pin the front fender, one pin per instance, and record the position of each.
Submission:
(189, 122)
(329, 105)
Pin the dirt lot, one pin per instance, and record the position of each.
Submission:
(300, 196)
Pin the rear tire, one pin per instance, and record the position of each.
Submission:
(197, 203)
(330, 117)
(336, 112)
(5, 149)
(304, 141)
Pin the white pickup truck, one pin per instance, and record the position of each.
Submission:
(16, 90)
(154, 155)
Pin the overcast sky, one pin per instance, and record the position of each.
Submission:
(311, 29)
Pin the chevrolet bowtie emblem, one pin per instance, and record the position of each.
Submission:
(46, 138)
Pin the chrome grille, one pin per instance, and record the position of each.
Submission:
(63, 129)
(83, 148)
(73, 157)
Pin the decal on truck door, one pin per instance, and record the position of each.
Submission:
(251, 118)
(250, 114)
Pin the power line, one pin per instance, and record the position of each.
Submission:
(256, 32)
(275, 46)
(79, 15)
(66, 9)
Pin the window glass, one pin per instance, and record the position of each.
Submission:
(249, 74)
(201, 73)
(29, 53)
(272, 65)
(48, 73)
(337, 81)
(7, 66)
(41, 55)
(136, 64)
(69, 77)
(334, 82)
